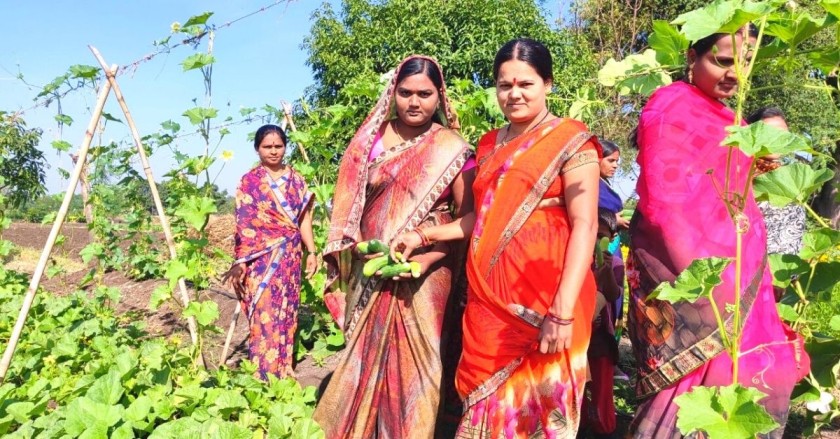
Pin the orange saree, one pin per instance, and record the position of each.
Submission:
(514, 267)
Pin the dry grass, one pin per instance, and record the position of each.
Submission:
(25, 259)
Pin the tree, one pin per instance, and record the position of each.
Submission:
(371, 37)
(21, 163)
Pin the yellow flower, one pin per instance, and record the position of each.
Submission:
(175, 27)
(227, 155)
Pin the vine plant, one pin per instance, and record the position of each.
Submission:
(733, 411)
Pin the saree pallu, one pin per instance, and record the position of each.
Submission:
(268, 241)
(388, 382)
(680, 217)
(514, 266)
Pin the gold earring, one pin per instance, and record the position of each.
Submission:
(691, 74)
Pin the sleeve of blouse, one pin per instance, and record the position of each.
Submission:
(590, 152)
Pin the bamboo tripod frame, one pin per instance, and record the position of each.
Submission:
(80, 164)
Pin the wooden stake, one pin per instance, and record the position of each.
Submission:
(56, 228)
(85, 187)
(164, 221)
(229, 337)
(287, 113)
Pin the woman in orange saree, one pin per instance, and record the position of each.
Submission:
(531, 292)
(389, 381)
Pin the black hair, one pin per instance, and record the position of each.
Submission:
(608, 147)
(266, 130)
(765, 113)
(421, 65)
(633, 138)
(705, 44)
(607, 218)
(529, 51)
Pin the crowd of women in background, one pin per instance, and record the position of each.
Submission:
(506, 317)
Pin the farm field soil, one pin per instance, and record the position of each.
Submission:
(135, 296)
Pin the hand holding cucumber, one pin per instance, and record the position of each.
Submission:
(393, 265)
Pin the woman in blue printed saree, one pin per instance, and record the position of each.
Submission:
(273, 218)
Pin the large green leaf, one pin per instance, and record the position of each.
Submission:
(196, 210)
(696, 281)
(638, 73)
(784, 267)
(197, 61)
(197, 115)
(793, 183)
(794, 27)
(198, 19)
(818, 241)
(669, 44)
(107, 389)
(826, 277)
(83, 414)
(760, 139)
(175, 270)
(730, 412)
(204, 312)
(826, 59)
(831, 6)
(825, 360)
(721, 16)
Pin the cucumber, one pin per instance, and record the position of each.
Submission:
(373, 265)
(392, 270)
(603, 245)
(415, 269)
(372, 247)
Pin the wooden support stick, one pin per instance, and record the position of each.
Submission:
(56, 228)
(287, 112)
(164, 221)
(229, 337)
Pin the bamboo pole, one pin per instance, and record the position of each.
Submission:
(287, 115)
(164, 221)
(56, 228)
(84, 185)
(229, 337)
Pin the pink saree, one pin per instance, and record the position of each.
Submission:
(389, 381)
(680, 217)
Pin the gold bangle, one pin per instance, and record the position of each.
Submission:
(559, 320)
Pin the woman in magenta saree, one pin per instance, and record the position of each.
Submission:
(399, 173)
(273, 221)
(681, 217)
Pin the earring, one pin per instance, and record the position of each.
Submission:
(691, 74)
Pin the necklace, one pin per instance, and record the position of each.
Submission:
(505, 140)
(274, 175)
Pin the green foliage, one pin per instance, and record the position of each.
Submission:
(635, 74)
(793, 183)
(760, 139)
(82, 371)
(724, 412)
(371, 37)
(697, 281)
(42, 207)
(21, 163)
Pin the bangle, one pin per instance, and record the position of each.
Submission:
(424, 240)
(559, 320)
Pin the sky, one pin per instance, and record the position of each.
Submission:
(258, 61)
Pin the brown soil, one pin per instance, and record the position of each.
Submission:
(136, 294)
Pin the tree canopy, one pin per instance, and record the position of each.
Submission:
(372, 37)
(21, 163)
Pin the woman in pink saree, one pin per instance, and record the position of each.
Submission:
(681, 217)
(401, 172)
